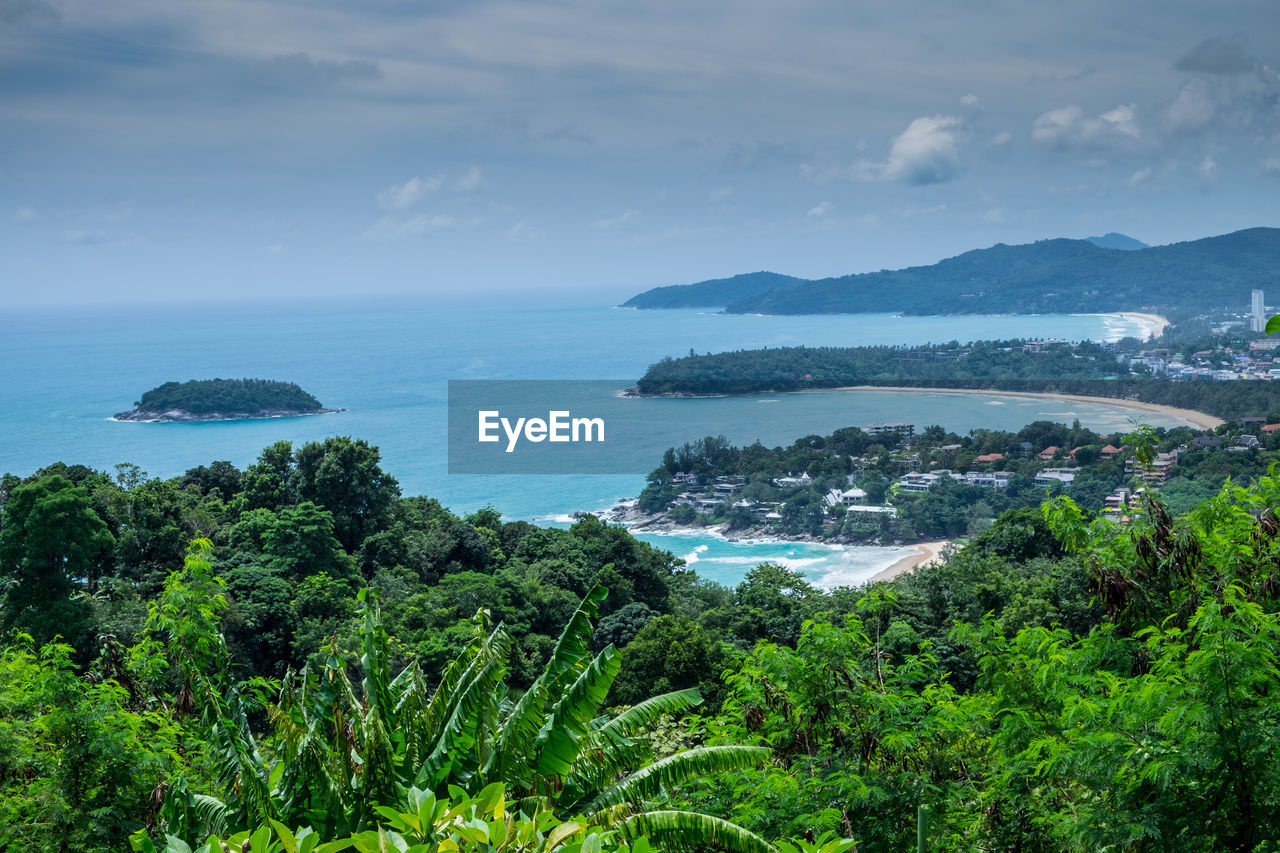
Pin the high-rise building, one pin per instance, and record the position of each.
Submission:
(1257, 322)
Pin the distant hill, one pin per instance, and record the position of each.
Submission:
(1047, 277)
(1112, 240)
(715, 293)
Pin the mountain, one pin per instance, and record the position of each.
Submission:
(715, 293)
(1112, 240)
(1057, 276)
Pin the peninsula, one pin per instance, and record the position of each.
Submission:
(223, 400)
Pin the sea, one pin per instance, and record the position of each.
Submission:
(67, 371)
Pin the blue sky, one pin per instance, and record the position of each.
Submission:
(249, 149)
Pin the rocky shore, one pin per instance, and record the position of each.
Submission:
(181, 416)
(636, 520)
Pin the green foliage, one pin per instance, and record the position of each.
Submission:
(82, 755)
(51, 541)
(423, 823)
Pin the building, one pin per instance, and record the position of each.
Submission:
(1257, 317)
(902, 431)
(1049, 476)
(989, 479)
(916, 483)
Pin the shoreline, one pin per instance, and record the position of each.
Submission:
(625, 514)
(1200, 420)
(1157, 321)
(929, 552)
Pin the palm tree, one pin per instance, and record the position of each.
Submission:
(339, 753)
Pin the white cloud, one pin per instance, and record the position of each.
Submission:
(1069, 127)
(1208, 168)
(615, 221)
(23, 214)
(1139, 177)
(1271, 165)
(720, 193)
(470, 182)
(821, 209)
(969, 100)
(398, 228)
(406, 195)
(924, 153)
(1193, 107)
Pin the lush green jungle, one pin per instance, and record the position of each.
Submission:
(1196, 464)
(1046, 277)
(1085, 368)
(207, 396)
(297, 657)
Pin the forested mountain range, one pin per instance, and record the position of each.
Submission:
(1048, 276)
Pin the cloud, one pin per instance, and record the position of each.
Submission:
(720, 193)
(1217, 55)
(1194, 106)
(85, 237)
(1208, 168)
(615, 221)
(23, 214)
(1069, 127)
(398, 228)
(924, 153)
(1139, 177)
(406, 195)
(470, 182)
(1271, 166)
(27, 12)
(821, 209)
(300, 70)
(970, 100)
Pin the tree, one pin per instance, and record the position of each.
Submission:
(342, 475)
(52, 544)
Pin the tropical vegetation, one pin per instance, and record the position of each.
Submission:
(1063, 682)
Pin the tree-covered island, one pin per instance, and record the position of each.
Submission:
(223, 400)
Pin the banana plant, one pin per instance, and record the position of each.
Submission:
(339, 754)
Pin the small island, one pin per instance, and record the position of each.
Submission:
(223, 400)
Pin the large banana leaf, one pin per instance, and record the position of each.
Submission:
(560, 740)
(638, 717)
(678, 830)
(510, 761)
(648, 781)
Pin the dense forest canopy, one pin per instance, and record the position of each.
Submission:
(229, 396)
(299, 653)
(1057, 276)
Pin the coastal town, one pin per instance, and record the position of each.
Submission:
(890, 484)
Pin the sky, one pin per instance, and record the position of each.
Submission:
(162, 151)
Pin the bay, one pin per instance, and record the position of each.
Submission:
(66, 372)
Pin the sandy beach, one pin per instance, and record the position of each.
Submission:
(929, 551)
(1197, 419)
(1159, 323)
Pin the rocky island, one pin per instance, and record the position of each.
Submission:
(223, 400)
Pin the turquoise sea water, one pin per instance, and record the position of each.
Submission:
(65, 373)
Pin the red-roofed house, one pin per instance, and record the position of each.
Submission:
(1110, 452)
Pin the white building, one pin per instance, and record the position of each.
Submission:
(1257, 320)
